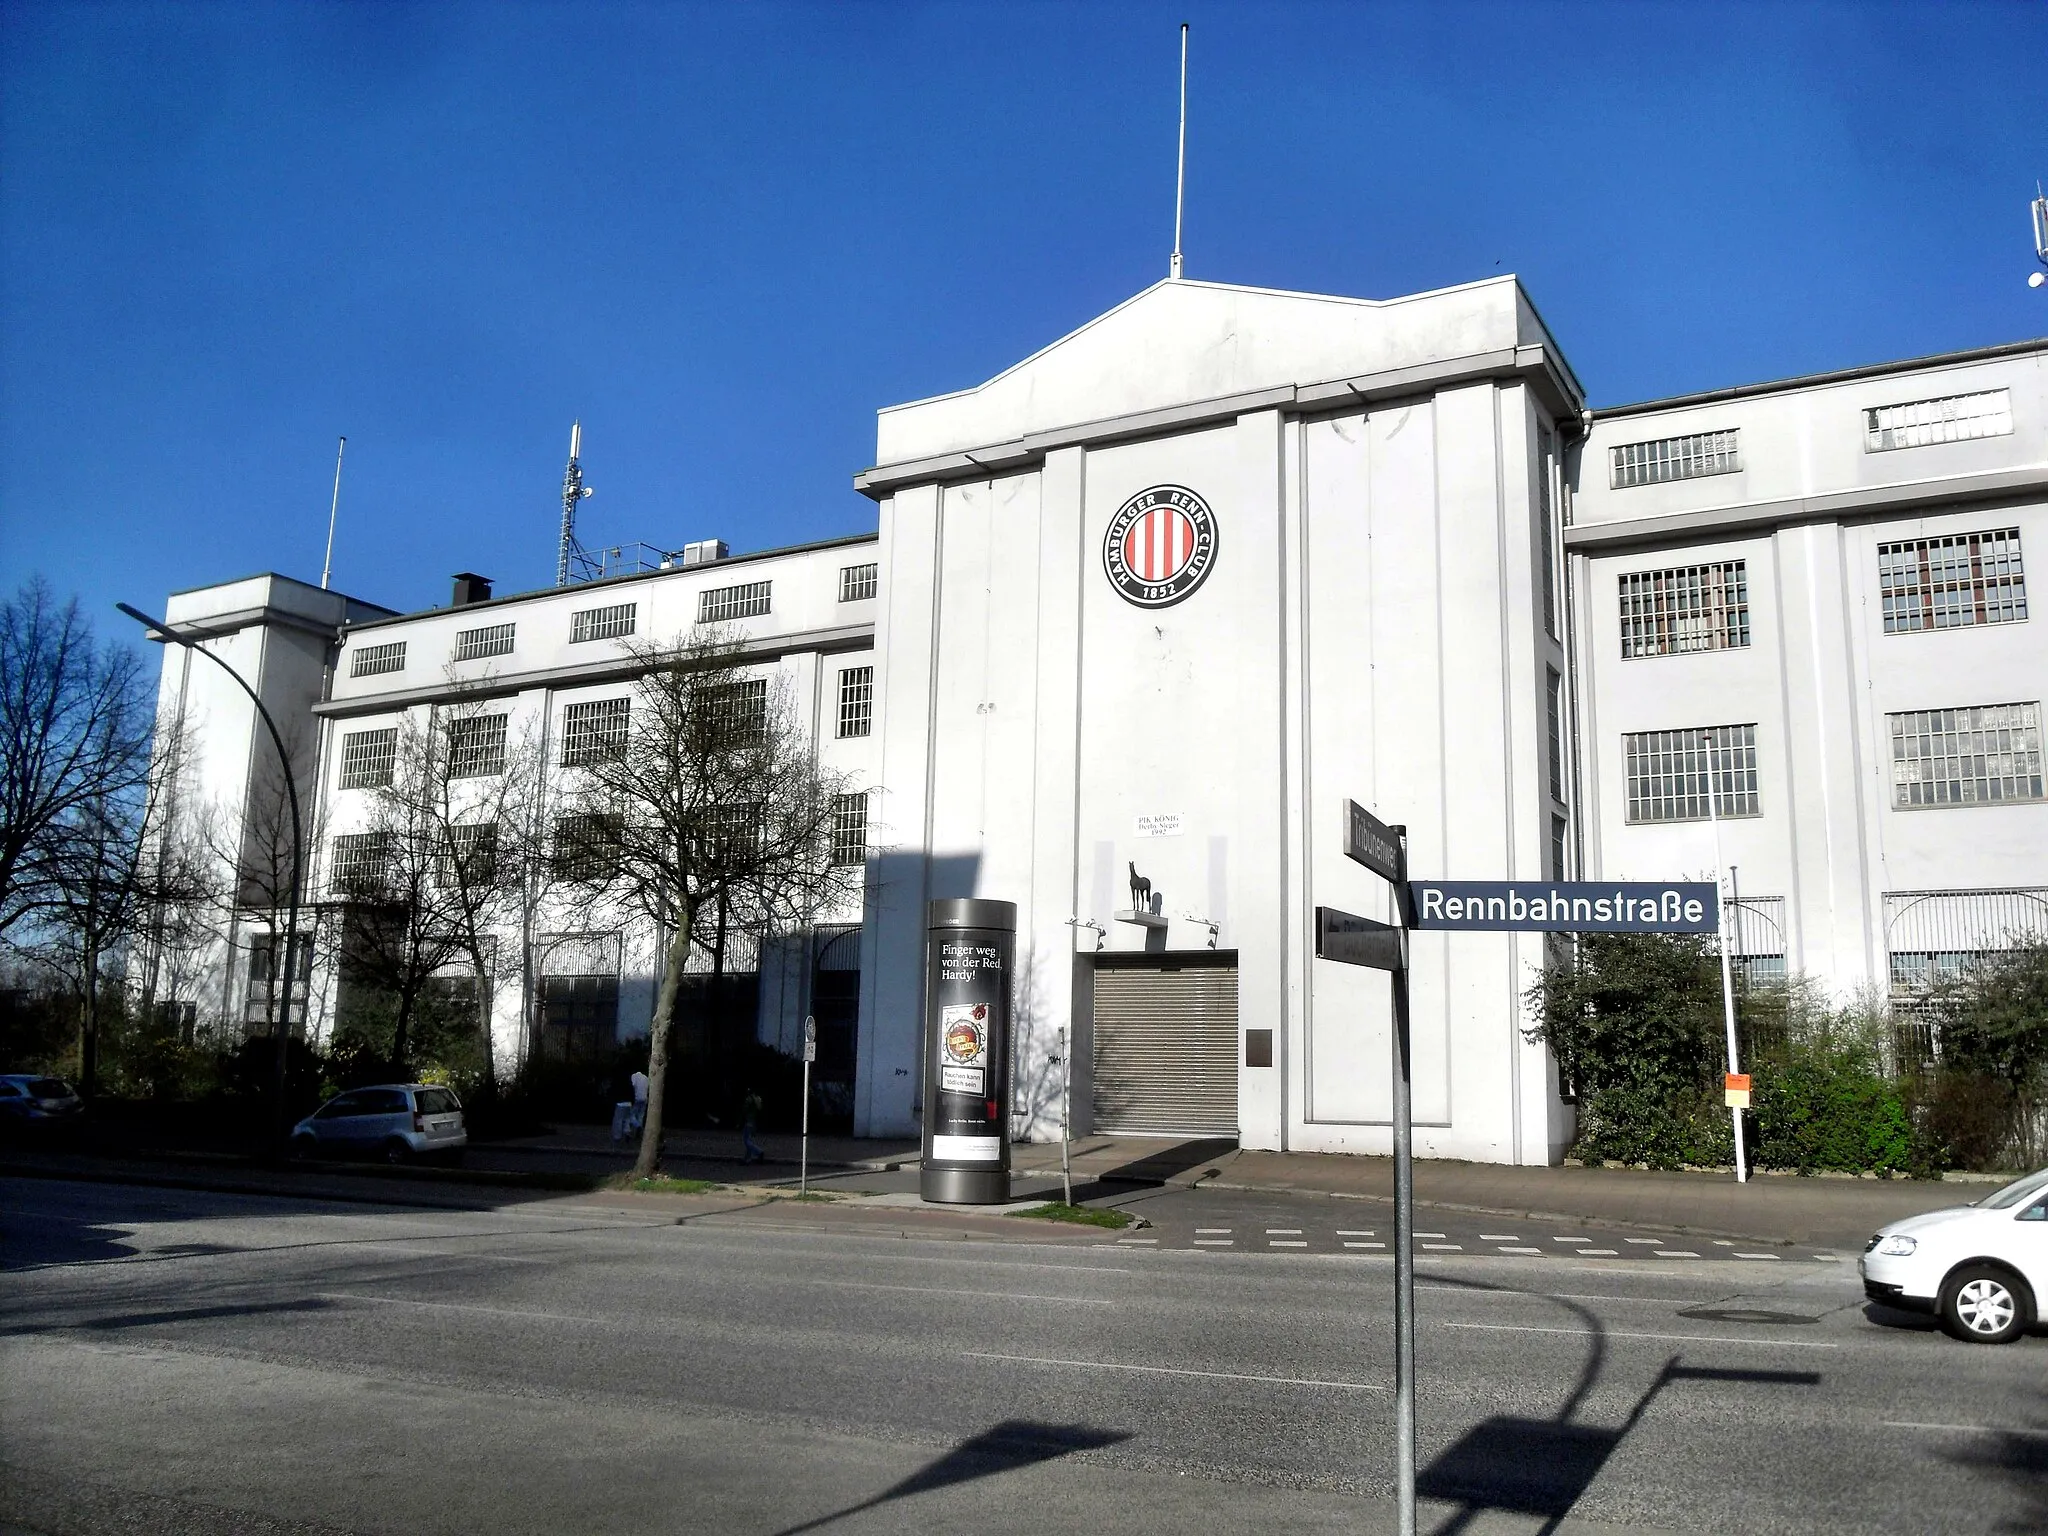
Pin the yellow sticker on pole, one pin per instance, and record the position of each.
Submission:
(1735, 1089)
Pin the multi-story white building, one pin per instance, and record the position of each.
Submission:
(1143, 611)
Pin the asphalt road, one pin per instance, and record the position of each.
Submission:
(183, 1361)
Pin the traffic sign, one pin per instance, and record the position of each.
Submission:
(1564, 906)
(1356, 940)
(810, 1039)
(1373, 843)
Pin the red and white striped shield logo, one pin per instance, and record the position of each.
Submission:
(1159, 546)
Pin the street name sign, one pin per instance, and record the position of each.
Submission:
(1356, 940)
(1372, 842)
(1564, 906)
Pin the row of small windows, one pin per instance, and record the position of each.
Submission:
(1942, 583)
(586, 849)
(1911, 424)
(1986, 754)
(715, 605)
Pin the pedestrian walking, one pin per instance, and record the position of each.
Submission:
(750, 1117)
(639, 1121)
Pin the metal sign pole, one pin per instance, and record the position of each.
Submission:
(1066, 1118)
(1404, 1222)
(803, 1165)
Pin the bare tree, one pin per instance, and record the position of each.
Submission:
(712, 797)
(74, 743)
(261, 849)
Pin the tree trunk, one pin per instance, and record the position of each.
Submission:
(398, 1034)
(483, 1023)
(89, 1026)
(649, 1161)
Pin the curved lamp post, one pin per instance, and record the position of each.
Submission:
(161, 631)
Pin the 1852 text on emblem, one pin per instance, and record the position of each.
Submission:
(1160, 546)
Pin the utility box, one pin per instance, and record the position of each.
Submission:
(969, 956)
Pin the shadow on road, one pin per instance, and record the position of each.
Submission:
(1011, 1444)
(1543, 1467)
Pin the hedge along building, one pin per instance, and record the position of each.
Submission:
(1154, 602)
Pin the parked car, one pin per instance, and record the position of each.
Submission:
(390, 1123)
(34, 1105)
(1981, 1268)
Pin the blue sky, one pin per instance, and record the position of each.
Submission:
(723, 235)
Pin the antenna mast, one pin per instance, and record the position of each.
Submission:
(327, 565)
(1180, 180)
(573, 491)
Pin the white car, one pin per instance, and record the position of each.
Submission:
(1981, 1268)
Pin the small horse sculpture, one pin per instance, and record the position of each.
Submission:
(1141, 891)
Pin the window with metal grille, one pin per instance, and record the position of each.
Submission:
(1669, 772)
(1987, 754)
(849, 829)
(476, 746)
(1689, 608)
(739, 709)
(361, 866)
(732, 833)
(1756, 937)
(602, 623)
(373, 660)
(1968, 578)
(491, 640)
(857, 582)
(595, 730)
(856, 700)
(745, 601)
(1557, 841)
(1674, 458)
(587, 847)
(1543, 515)
(367, 758)
(469, 860)
(1950, 419)
(1555, 692)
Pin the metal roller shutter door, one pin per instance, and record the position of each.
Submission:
(1166, 1051)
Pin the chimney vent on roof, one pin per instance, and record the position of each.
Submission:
(704, 551)
(471, 588)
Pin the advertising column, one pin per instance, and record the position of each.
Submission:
(969, 947)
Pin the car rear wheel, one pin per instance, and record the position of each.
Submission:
(395, 1151)
(1984, 1304)
(304, 1146)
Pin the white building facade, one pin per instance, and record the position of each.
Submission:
(1145, 610)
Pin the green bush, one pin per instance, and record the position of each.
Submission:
(1824, 1106)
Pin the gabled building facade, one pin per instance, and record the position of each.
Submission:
(1142, 612)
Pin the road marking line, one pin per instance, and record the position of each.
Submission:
(1606, 1333)
(1212, 1231)
(1676, 1253)
(1365, 1245)
(1283, 1231)
(1276, 1243)
(1827, 1258)
(1644, 1242)
(1445, 1247)
(1722, 1242)
(1432, 1234)
(1968, 1429)
(1521, 1250)
(1498, 1237)
(462, 1306)
(1367, 1232)
(1598, 1253)
(1571, 1239)
(1759, 1255)
(1138, 1240)
(941, 1290)
(1168, 1370)
(1215, 1242)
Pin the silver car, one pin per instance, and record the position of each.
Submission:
(392, 1123)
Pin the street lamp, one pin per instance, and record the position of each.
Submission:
(161, 631)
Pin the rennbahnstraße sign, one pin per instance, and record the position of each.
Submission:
(1556, 906)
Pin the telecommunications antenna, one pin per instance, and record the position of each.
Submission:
(2036, 279)
(573, 491)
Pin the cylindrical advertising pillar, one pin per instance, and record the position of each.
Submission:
(969, 946)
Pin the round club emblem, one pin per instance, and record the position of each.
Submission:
(1160, 546)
